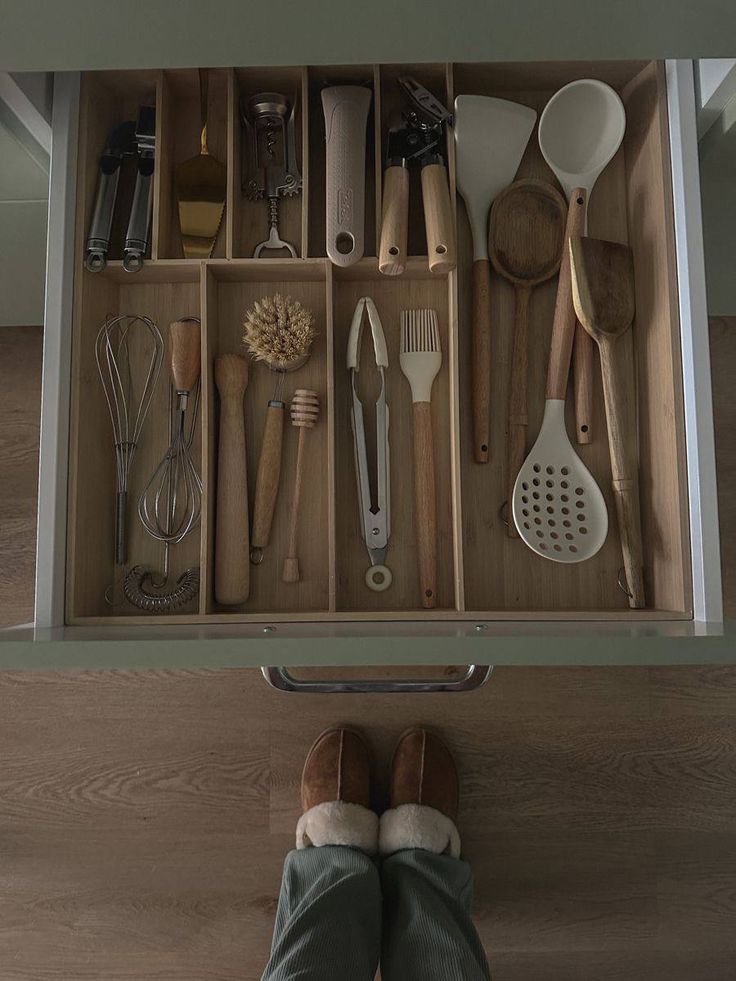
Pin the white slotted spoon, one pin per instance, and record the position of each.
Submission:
(558, 508)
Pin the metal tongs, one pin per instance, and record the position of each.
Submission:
(375, 516)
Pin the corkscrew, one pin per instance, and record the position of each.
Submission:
(270, 168)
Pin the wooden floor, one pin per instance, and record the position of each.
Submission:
(144, 816)
(20, 402)
(144, 819)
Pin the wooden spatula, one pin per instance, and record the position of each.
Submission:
(603, 294)
(201, 186)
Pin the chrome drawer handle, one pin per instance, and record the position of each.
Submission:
(282, 680)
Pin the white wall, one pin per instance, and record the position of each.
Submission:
(22, 262)
(23, 219)
(718, 191)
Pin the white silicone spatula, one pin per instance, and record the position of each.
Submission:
(491, 136)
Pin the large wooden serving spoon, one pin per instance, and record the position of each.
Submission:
(525, 242)
(603, 294)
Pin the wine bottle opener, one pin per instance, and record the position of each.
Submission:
(269, 165)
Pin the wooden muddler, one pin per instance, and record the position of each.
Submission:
(304, 415)
(232, 564)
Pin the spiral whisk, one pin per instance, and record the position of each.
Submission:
(171, 502)
(128, 406)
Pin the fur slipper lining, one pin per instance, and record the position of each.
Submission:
(338, 822)
(418, 826)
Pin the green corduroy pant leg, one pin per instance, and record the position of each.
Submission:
(428, 932)
(328, 923)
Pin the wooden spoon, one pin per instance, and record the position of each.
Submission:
(603, 294)
(525, 242)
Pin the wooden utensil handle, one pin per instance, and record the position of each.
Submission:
(518, 420)
(232, 565)
(619, 390)
(563, 329)
(394, 221)
(439, 222)
(185, 353)
(291, 562)
(268, 476)
(481, 359)
(204, 92)
(425, 505)
(583, 368)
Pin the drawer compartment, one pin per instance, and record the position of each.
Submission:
(230, 291)
(95, 582)
(416, 288)
(631, 203)
(482, 572)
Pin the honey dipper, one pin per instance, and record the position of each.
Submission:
(304, 415)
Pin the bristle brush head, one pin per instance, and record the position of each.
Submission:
(279, 331)
(419, 331)
(420, 356)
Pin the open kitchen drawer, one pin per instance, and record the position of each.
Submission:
(648, 197)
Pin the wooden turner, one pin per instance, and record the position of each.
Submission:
(201, 185)
(603, 293)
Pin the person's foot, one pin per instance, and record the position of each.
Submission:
(424, 797)
(336, 794)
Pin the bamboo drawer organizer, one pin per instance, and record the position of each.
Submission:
(482, 573)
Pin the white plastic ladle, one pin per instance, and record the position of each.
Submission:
(580, 130)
